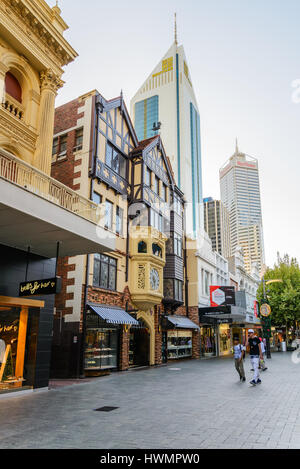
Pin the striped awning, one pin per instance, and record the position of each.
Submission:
(113, 314)
(182, 322)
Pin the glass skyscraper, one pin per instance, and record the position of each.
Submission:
(240, 193)
(146, 116)
(167, 96)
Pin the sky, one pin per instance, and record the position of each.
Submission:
(243, 57)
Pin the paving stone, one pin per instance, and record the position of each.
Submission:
(200, 406)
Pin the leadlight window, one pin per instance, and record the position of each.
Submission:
(97, 198)
(119, 220)
(115, 161)
(148, 177)
(156, 185)
(108, 214)
(165, 193)
(177, 206)
(156, 220)
(105, 272)
(178, 290)
(177, 245)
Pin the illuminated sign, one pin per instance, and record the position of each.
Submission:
(49, 286)
(221, 296)
(167, 66)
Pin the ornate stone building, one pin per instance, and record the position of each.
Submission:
(40, 217)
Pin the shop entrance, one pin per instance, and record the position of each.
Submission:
(139, 348)
(224, 339)
(208, 341)
(18, 330)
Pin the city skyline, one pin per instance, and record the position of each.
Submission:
(244, 95)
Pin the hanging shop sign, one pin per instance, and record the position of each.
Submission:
(221, 296)
(50, 286)
(265, 310)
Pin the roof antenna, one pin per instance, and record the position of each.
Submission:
(236, 146)
(175, 30)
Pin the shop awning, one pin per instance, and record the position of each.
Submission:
(113, 314)
(182, 322)
(235, 313)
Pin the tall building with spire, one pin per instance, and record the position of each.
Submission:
(166, 104)
(240, 193)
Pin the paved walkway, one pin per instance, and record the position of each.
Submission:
(191, 404)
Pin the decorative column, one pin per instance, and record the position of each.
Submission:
(50, 83)
(3, 71)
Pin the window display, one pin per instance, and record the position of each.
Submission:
(101, 351)
(208, 342)
(17, 348)
(225, 339)
(179, 344)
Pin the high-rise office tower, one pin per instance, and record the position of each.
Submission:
(240, 193)
(216, 225)
(166, 104)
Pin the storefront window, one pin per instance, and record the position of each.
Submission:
(18, 332)
(179, 344)
(225, 339)
(101, 350)
(208, 341)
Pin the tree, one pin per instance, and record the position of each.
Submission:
(284, 298)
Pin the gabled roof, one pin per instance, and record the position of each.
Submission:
(117, 102)
(146, 145)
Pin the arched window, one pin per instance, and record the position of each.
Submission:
(142, 247)
(12, 87)
(156, 249)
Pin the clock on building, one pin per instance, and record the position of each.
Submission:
(154, 279)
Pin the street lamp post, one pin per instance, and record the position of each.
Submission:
(267, 319)
(267, 322)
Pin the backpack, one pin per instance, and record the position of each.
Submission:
(243, 352)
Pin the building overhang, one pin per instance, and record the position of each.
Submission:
(235, 313)
(29, 220)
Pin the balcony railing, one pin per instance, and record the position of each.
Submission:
(13, 107)
(22, 174)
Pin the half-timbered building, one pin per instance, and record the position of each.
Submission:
(114, 308)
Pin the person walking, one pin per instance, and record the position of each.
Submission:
(255, 355)
(262, 363)
(239, 354)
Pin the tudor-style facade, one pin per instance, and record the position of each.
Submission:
(121, 298)
(98, 168)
